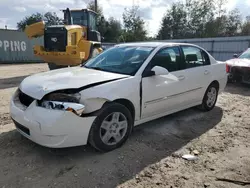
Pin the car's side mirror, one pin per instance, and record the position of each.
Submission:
(156, 70)
(160, 70)
(235, 55)
(148, 73)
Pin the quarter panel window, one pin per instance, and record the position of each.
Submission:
(195, 57)
(206, 58)
(168, 58)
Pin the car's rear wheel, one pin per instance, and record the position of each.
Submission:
(210, 97)
(111, 128)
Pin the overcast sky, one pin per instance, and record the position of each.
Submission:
(11, 11)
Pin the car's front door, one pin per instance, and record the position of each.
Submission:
(161, 93)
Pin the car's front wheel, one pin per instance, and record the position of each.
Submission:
(111, 128)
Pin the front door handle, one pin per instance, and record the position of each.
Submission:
(181, 77)
(206, 72)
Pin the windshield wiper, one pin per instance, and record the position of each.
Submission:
(96, 68)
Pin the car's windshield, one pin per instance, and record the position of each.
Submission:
(123, 60)
(245, 55)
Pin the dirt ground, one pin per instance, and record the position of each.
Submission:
(150, 158)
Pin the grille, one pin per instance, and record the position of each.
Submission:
(55, 39)
(21, 127)
(25, 99)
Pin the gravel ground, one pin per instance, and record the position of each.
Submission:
(150, 158)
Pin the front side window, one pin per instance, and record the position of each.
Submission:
(92, 21)
(79, 18)
(123, 60)
(168, 58)
(195, 57)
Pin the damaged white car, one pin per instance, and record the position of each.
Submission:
(129, 84)
(238, 68)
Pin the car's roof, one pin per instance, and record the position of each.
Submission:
(153, 44)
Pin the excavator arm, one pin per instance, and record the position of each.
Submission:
(35, 30)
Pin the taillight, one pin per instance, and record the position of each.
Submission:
(227, 68)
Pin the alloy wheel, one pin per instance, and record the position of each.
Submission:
(113, 128)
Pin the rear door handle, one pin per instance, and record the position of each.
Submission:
(206, 72)
(181, 77)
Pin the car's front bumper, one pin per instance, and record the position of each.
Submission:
(50, 128)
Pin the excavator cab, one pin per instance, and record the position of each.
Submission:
(85, 18)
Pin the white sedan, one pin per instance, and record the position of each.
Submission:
(127, 85)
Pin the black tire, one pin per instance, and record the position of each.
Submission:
(53, 66)
(204, 106)
(94, 135)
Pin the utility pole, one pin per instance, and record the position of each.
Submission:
(95, 5)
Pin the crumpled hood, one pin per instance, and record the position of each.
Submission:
(41, 84)
(239, 62)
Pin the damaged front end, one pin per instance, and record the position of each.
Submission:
(54, 121)
(238, 74)
(238, 68)
(63, 101)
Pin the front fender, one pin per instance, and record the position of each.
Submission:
(128, 88)
(93, 104)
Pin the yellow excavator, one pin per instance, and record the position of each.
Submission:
(70, 44)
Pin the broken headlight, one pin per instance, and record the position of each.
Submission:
(63, 97)
(64, 102)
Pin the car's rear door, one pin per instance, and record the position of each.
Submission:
(196, 71)
(162, 93)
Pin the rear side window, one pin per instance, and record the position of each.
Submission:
(195, 57)
(168, 58)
